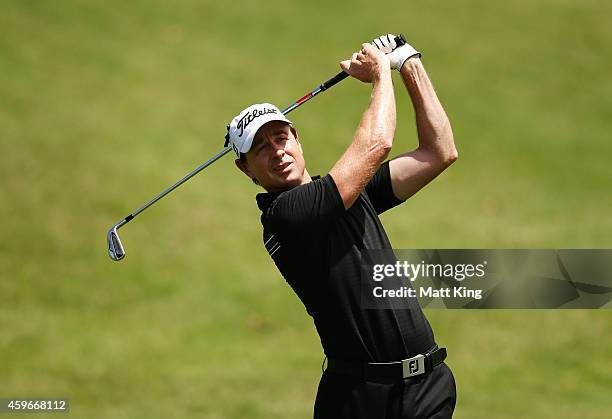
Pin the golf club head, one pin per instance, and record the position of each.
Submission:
(115, 248)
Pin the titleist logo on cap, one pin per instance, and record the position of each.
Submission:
(249, 117)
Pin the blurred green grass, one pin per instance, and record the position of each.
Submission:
(102, 105)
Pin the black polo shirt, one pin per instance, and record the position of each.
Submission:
(316, 244)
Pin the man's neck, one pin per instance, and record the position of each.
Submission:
(305, 179)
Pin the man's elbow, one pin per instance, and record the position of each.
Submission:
(383, 136)
(385, 146)
(447, 155)
(451, 156)
(382, 144)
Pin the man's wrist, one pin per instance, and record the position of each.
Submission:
(384, 73)
(411, 64)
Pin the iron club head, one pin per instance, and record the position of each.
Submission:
(115, 248)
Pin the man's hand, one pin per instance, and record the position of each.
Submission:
(397, 50)
(366, 65)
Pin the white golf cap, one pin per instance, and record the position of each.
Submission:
(242, 129)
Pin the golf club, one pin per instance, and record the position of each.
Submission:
(115, 248)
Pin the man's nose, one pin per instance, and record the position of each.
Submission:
(279, 149)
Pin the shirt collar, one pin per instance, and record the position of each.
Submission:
(265, 199)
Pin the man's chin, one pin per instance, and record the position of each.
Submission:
(282, 183)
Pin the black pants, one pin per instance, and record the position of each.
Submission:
(432, 395)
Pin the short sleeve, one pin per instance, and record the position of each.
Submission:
(380, 190)
(307, 206)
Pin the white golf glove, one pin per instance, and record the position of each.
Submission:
(396, 48)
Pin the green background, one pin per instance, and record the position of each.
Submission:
(104, 104)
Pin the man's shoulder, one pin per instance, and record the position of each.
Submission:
(309, 205)
(266, 199)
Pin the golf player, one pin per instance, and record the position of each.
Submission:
(381, 363)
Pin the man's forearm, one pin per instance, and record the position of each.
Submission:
(433, 127)
(371, 143)
(377, 126)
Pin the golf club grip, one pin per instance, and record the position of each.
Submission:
(338, 77)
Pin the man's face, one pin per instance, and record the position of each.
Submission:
(275, 158)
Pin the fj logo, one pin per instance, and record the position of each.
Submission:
(413, 366)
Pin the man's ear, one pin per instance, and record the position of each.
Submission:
(297, 138)
(244, 167)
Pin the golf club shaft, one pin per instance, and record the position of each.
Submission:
(329, 83)
(324, 86)
(180, 182)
